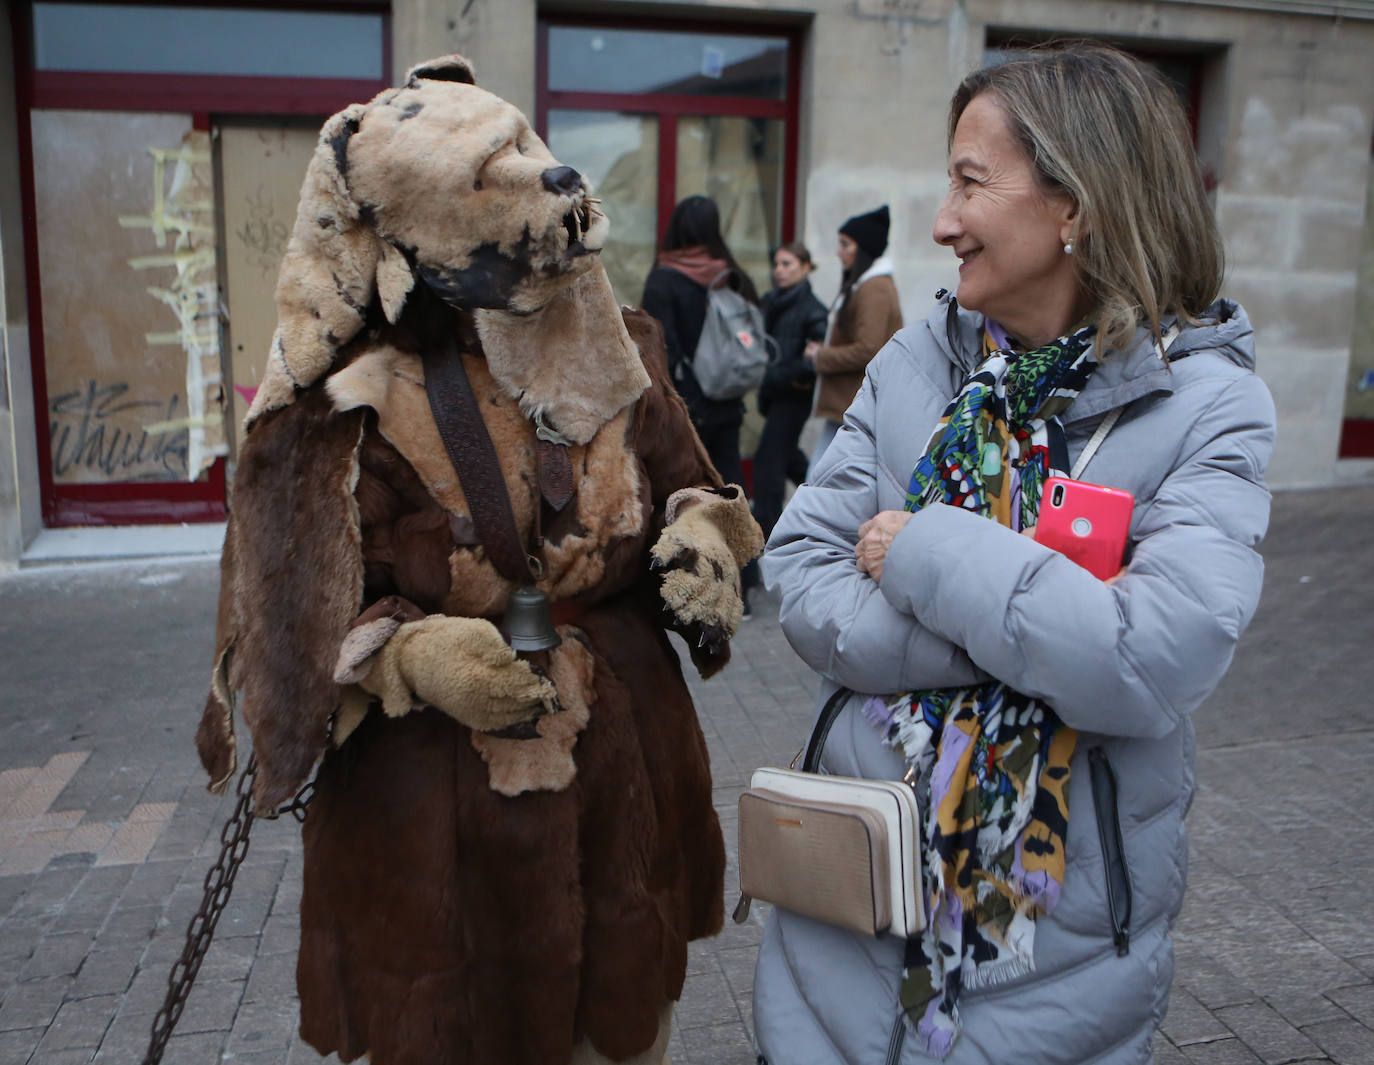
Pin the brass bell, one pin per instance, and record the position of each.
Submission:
(528, 623)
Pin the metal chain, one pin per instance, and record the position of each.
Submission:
(219, 883)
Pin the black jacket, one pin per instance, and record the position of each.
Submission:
(791, 316)
(680, 304)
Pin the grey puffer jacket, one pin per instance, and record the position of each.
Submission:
(964, 599)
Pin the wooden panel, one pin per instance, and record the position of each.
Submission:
(262, 165)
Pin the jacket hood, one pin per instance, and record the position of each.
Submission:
(1224, 327)
(882, 267)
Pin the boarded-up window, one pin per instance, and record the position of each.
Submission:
(129, 295)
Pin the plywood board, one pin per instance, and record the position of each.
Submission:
(262, 165)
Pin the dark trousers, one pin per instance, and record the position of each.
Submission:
(722, 444)
(778, 459)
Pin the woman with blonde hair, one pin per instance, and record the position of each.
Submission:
(1043, 714)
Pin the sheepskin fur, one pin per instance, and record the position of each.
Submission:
(545, 763)
(472, 896)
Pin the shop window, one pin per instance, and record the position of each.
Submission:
(653, 112)
(162, 149)
(159, 39)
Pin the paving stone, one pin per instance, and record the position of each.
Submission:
(1212, 984)
(1357, 1001)
(81, 1023)
(33, 1003)
(58, 955)
(266, 1025)
(1305, 1006)
(106, 971)
(706, 1001)
(211, 1006)
(272, 979)
(720, 1044)
(126, 1040)
(71, 1056)
(17, 1044)
(1188, 1021)
(131, 926)
(197, 1049)
(1166, 1053)
(1220, 1052)
(19, 937)
(148, 989)
(12, 889)
(1347, 1042)
(1267, 1033)
(49, 891)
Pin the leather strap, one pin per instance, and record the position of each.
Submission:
(821, 732)
(555, 473)
(469, 447)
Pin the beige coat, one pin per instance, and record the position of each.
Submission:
(871, 315)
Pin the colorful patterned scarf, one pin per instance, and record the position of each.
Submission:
(991, 764)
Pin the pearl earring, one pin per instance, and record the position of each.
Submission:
(1068, 248)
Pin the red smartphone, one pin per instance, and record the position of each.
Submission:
(1088, 523)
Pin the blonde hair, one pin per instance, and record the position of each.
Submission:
(1109, 131)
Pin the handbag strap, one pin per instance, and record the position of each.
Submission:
(812, 762)
(470, 449)
(1090, 449)
(1105, 426)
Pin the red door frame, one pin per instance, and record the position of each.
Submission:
(668, 107)
(145, 502)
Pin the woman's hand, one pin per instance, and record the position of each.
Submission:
(875, 537)
(809, 352)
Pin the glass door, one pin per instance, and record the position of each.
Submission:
(655, 112)
(618, 153)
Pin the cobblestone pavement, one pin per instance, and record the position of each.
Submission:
(106, 830)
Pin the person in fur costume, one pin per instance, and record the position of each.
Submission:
(505, 856)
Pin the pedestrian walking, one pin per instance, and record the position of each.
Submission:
(692, 257)
(1043, 713)
(792, 316)
(865, 314)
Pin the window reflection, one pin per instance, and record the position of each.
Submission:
(738, 163)
(585, 59)
(618, 154)
(157, 39)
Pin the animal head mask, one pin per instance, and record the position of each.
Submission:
(441, 183)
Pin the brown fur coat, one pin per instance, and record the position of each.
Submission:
(472, 898)
(441, 921)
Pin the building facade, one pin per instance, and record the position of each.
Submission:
(150, 157)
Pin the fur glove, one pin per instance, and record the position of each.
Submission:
(461, 666)
(710, 535)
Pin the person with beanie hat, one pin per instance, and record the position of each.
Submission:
(865, 314)
(869, 231)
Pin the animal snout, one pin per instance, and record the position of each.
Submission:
(563, 180)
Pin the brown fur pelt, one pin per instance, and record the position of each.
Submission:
(468, 900)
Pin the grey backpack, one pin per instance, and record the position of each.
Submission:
(733, 350)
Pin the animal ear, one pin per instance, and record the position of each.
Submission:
(445, 68)
(395, 279)
(329, 272)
